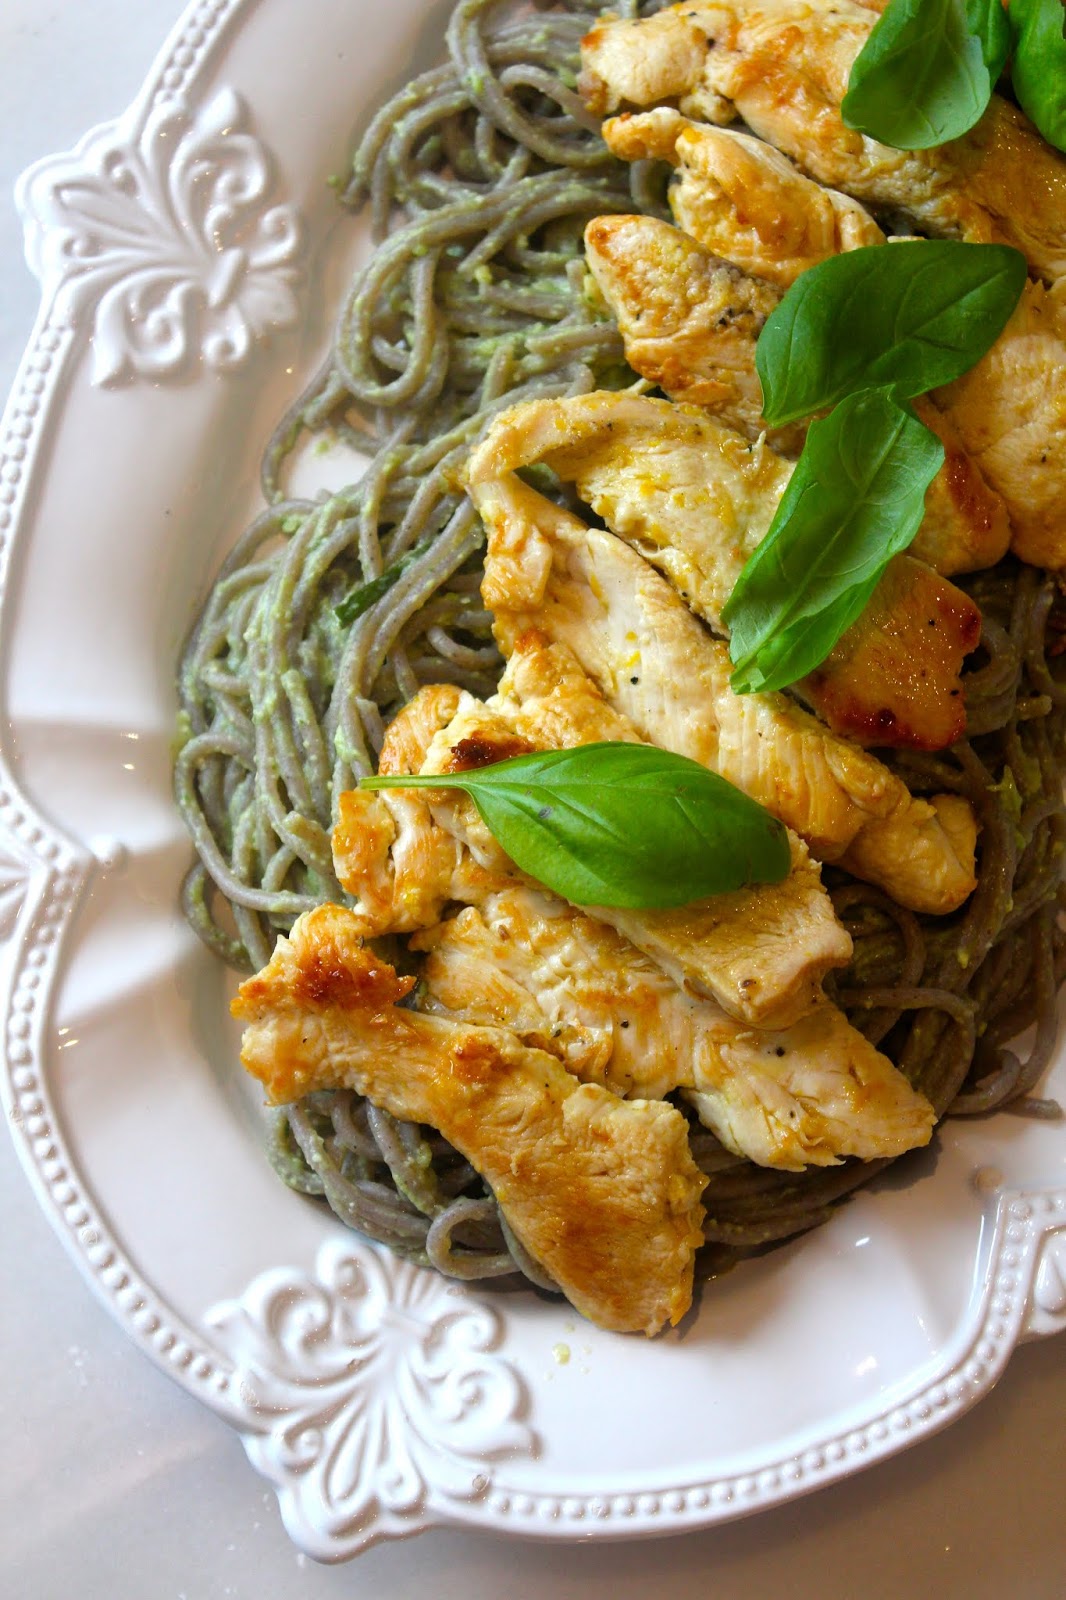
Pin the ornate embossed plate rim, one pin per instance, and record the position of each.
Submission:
(42, 877)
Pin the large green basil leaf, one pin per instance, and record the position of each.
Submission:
(1039, 70)
(856, 498)
(912, 316)
(620, 824)
(926, 73)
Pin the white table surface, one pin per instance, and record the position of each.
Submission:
(115, 1484)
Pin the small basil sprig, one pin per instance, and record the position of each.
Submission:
(856, 498)
(620, 824)
(913, 316)
(926, 73)
(1039, 70)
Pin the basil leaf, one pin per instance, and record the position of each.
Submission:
(988, 20)
(620, 824)
(1039, 71)
(926, 73)
(856, 498)
(787, 656)
(911, 316)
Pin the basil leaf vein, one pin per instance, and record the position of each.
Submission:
(625, 825)
(926, 73)
(1039, 70)
(913, 316)
(856, 499)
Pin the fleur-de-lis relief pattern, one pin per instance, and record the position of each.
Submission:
(168, 239)
(369, 1393)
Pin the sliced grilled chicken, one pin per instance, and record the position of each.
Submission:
(400, 867)
(603, 1192)
(690, 323)
(807, 1094)
(969, 518)
(1009, 411)
(804, 1096)
(995, 422)
(742, 199)
(760, 952)
(893, 679)
(656, 663)
(782, 67)
(695, 499)
(663, 61)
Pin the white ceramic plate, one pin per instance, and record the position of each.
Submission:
(189, 254)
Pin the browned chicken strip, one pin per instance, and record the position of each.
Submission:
(400, 867)
(402, 878)
(696, 500)
(969, 518)
(690, 323)
(621, 67)
(893, 679)
(603, 1192)
(658, 665)
(742, 199)
(782, 67)
(762, 952)
(791, 1098)
(805, 1094)
(390, 854)
(1010, 413)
